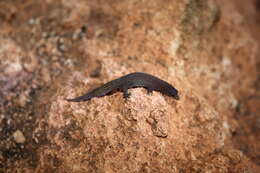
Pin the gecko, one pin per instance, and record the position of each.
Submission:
(132, 80)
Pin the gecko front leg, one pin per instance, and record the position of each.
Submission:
(126, 94)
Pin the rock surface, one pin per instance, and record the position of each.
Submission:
(53, 50)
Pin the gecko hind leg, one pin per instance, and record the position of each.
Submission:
(126, 94)
(149, 91)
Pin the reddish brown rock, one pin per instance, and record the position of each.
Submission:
(207, 49)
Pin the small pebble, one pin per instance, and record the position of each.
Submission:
(31, 21)
(22, 100)
(18, 136)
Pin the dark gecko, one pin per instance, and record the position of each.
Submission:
(132, 80)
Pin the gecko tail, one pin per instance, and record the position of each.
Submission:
(74, 100)
(80, 99)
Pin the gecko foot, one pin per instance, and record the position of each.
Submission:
(149, 91)
(126, 94)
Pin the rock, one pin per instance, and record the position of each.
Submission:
(209, 51)
(19, 137)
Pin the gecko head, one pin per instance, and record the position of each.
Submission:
(174, 94)
(177, 97)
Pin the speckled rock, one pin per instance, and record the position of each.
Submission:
(207, 49)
